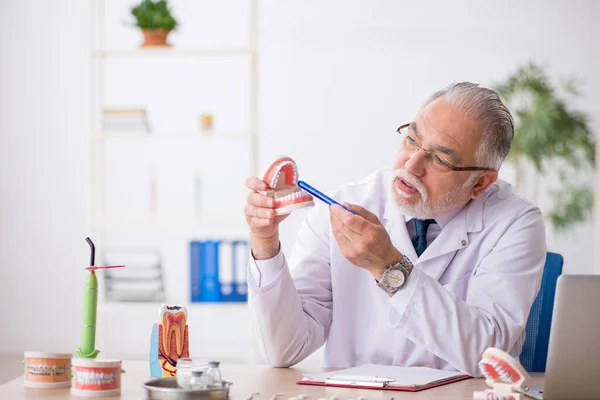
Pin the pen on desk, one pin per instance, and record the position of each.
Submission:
(320, 195)
(332, 382)
(376, 379)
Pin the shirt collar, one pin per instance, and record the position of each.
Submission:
(443, 220)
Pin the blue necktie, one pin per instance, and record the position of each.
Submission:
(420, 239)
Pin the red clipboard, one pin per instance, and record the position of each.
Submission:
(413, 388)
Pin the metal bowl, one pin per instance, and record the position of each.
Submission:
(167, 389)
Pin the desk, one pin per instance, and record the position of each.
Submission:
(265, 380)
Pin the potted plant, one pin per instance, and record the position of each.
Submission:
(155, 20)
(553, 138)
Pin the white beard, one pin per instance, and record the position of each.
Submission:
(426, 207)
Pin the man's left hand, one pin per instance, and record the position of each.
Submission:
(362, 239)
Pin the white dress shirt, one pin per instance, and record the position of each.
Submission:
(472, 288)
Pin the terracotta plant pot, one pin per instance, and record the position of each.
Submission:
(155, 38)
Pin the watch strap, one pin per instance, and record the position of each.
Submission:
(405, 266)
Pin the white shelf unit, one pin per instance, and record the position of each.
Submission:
(167, 136)
(173, 227)
(172, 52)
(100, 219)
(100, 139)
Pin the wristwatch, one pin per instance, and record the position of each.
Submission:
(395, 276)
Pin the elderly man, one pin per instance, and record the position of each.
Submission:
(440, 260)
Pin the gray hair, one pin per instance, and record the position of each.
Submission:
(483, 105)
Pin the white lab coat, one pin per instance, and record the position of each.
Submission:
(472, 288)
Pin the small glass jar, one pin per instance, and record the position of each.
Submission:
(197, 382)
(213, 376)
(184, 372)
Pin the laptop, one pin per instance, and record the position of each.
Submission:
(573, 365)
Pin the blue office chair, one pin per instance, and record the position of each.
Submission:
(537, 332)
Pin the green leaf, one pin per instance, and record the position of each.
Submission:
(549, 133)
(154, 15)
(573, 205)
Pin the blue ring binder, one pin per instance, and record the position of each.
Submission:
(205, 282)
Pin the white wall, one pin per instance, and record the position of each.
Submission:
(336, 78)
(44, 78)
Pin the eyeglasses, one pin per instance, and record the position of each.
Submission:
(440, 161)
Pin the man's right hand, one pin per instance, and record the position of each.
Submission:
(260, 216)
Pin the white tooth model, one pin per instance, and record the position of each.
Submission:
(505, 375)
(282, 182)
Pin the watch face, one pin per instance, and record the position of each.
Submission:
(395, 278)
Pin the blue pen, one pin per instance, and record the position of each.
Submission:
(320, 195)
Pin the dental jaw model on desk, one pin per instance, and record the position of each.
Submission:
(47, 370)
(282, 182)
(505, 375)
(169, 341)
(86, 375)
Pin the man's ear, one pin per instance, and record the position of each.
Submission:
(484, 181)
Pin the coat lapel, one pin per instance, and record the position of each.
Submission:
(453, 237)
(439, 254)
(395, 225)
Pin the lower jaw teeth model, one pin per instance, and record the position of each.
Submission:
(282, 183)
(505, 375)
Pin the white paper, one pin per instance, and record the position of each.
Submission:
(403, 376)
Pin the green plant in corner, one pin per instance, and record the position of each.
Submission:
(155, 20)
(554, 139)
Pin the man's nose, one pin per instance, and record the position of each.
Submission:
(416, 162)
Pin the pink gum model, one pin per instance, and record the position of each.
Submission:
(282, 182)
(505, 375)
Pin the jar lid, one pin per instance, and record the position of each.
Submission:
(38, 354)
(196, 373)
(214, 364)
(96, 363)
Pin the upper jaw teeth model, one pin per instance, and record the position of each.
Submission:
(505, 375)
(282, 183)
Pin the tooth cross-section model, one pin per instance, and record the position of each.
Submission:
(169, 341)
(282, 182)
